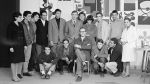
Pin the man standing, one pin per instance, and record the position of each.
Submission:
(83, 47)
(116, 26)
(103, 28)
(42, 32)
(29, 36)
(56, 28)
(72, 27)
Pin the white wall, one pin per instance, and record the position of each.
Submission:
(31, 5)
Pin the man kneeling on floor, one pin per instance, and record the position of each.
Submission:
(47, 63)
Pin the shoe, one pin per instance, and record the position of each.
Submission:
(20, 76)
(117, 74)
(27, 74)
(47, 76)
(16, 79)
(79, 78)
(101, 74)
(61, 72)
(43, 76)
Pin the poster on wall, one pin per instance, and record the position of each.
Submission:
(144, 12)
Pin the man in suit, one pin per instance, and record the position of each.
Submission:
(83, 46)
(114, 65)
(56, 28)
(29, 36)
(72, 27)
(41, 32)
(66, 56)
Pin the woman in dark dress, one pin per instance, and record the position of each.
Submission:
(17, 44)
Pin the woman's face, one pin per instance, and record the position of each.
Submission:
(127, 23)
(36, 17)
(89, 21)
(19, 18)
(82, 17)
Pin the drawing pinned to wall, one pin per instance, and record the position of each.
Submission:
(131, 15)
(144, 12)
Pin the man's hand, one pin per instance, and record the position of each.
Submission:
(77, 46)
(11, 50)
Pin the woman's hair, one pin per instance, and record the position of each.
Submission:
(34, 14)
(15, 14)
(89, 17)
(65, 40)
(115, 11)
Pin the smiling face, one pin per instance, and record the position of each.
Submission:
(74, 15)
(58, 14)
(44, 16)
(66, 44)
(47, 50)
(82, 32)
(99, 17)
(127, 23)
(18, 19)
(82, 17)
(99, 45)
(114, 16)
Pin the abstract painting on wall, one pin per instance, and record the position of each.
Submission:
(144, 12)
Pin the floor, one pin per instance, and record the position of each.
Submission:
(136, 78)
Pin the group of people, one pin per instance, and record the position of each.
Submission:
(77, 43)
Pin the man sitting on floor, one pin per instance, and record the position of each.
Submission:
(47, 63)
(66, 56)
(99, 57)
(115, 66)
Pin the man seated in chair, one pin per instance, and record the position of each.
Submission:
(47, 62)
(99, 57)
(114, 64)
(66, 56)
(83, 47)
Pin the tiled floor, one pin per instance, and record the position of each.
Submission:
(135, 78)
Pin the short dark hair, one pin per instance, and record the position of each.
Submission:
(89, 17)
(42, 11)
(57, 10)
(74, 12)
(127, 19)
(99, 13)
(65, 40)
(115, 40)
(15, 14)
(34, 14)
(114, 11)
(81, 14)
(100, 40)
(48, 46)
(25, 13)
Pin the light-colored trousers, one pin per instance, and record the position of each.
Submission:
(27, 58)
(48, 68)
(111, 67)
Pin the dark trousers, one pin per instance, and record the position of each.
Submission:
(62, 63)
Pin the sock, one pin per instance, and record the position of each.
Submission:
(42, 72)
(49, 73)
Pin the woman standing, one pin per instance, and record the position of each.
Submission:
(128, 40)
(91, 28)
(16, 37)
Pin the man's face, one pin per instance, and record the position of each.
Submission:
(112, 44)
(82, 32)
(47, 50)
(74, 15)
(28, 17)
(44, 16)
(99, 45)
(99, 17)
(66, 44)
(36, 18)
(58, 14)
(82, 17)
(114, 16)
